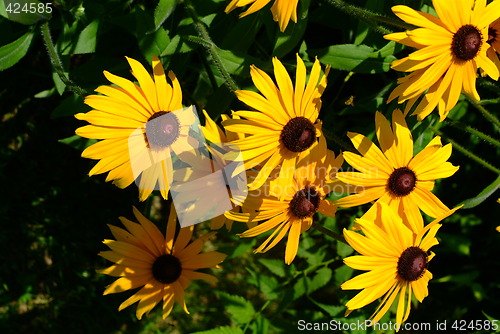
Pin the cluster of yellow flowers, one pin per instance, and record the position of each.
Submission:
(290, 168)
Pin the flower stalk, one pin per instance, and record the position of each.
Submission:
(467, 153)
(369, 17)
(209, 45)
(56, 62)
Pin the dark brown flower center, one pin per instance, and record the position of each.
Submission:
(466, 42)
(167, 269)
(401, 182)
(162, 129)
(298, 134)
(412, 264)
(492, 35)
(305, 202)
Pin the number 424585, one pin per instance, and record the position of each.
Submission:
(41, 8)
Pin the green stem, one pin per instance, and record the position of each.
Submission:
(332, 137)
(467, 153)
(56, 61)
(254, 317)
(369, 17)
(209, 45)
(328, 232)
(490, 117)
(473, 132)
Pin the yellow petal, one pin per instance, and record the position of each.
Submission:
(292, 244)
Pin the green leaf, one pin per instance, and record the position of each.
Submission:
(344, 250)
(70, 106)
(293, 34)
(13, 52)
(261, 325)
(78, 142)
(331, 310)
(3, 12)
(321, 278)
(27, 11)
(483, 195)
(240, 309)
(275, 266)
(154, 44)
(60, 85)
(176, 45)
(222, 330)
(164, 9)
(87, 40)
(355, 58)
(267, 285)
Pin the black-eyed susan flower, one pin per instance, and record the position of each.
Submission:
(494, 41)
(396, 260)
(393, 175)
(302, 198)
(162, 266)
(451, 47)
(141, 126)
(494, 35)
(283, 10)
(285, 127)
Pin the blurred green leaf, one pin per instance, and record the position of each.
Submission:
(240, 309)
(275, 266)
(483, 195)
(154, 44)
(322, 277)
(78, 142)
(162, 11)
(267, 285)
(222, 330)
(177, 45)
(355, 58)
(331, 310)
(87, 40)
(13, 52)
(60, 85)
(292, 36)
(344, 250)
(27, 11)
(260, 325)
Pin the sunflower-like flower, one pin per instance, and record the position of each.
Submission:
(451, 47)
(302, 198)
(494, 41)
(393, 175)
(396, 259)
(494, 35)
(162, 265)
(283, 10)
(141, 127)
(285, 127)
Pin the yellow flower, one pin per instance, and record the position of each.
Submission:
(396, 259)
(494, 35)
(451, 47)
(163, 267)
(393, 175)
(494, 41)
(285, 128)
(302, 198)
(283, 10)
(141, 127)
